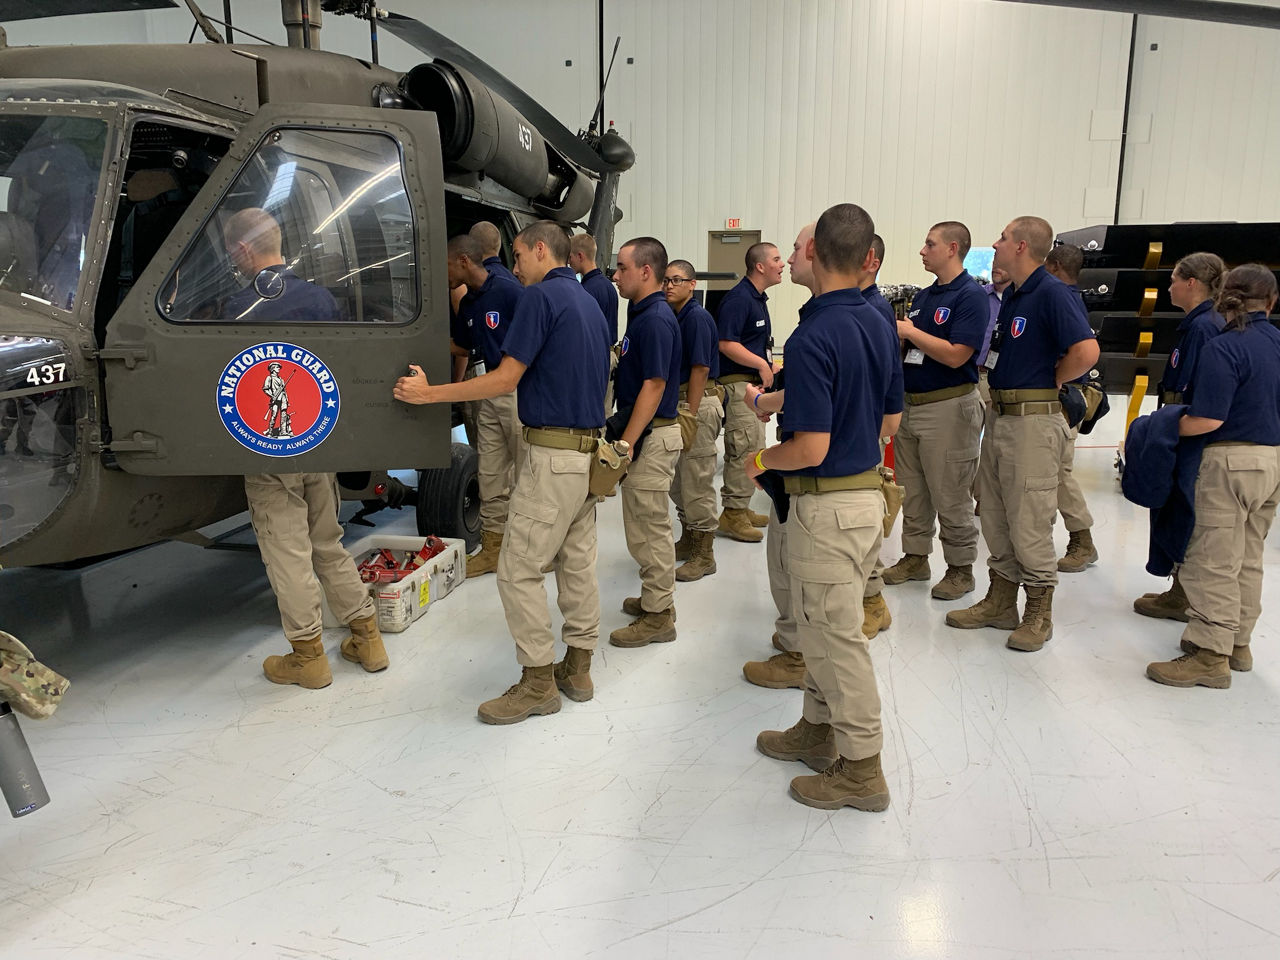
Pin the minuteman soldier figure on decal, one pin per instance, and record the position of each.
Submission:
(277, 389)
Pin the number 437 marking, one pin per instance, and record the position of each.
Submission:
(46, 374)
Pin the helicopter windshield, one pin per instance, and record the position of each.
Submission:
(49, 167)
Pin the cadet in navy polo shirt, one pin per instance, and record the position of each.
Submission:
(483, 319)
(843, 392)
(582, 260)
(1042, 340)
(556, 351)
(746, 341)
(1194, 286)
(647, 390)
(490, 239)
(935, 452)
(1235, 407)
(693, 489)
(871, 292)
(1065, 262)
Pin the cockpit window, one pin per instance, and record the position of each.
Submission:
(316, 227)
(49, 169)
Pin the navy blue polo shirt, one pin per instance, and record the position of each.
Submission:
(957, 312)
(743, 317)
(650, 351)
(699, 346)
(484, 317)
(874, 297)
(495, 265)
(299, 302)
(843, 377)
(559, 334)
(1237, 381)
(1201, 324)
(1038, 323)
(604, 293)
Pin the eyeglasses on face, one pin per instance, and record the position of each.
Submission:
(675, 281)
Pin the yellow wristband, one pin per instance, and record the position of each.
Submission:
(759, 462)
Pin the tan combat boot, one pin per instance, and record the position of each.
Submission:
(737, 525)
(573, 675)
(757, 519)
(999, 608)
(631, 607)
(684, 546)
(702, 562)
(1036, 628)
(364, 646)
(1080, 552)
(535, 694)
(1241, 659)
(646, 629)
(307, 666)
(913, 566)
(1203, 668)
(782, 671)
(486, 560)
(875, 615)
(955, 583)
(1170, 605)
(846, 783)
(813, 744)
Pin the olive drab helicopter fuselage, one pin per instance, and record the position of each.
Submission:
(147, 363)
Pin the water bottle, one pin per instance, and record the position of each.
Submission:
(19, 779)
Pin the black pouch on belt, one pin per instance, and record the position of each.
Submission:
(615, 425)
(771, 482)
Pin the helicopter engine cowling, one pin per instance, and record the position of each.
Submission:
(481, 132)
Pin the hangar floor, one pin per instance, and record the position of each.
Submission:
(1052, 804)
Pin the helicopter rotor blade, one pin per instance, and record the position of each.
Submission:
(439, 47)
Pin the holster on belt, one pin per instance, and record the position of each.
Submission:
(894, 495)
(688, 425)
(607, 469)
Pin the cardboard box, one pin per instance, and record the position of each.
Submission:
(400, 603)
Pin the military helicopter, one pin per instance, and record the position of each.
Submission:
(145, 364)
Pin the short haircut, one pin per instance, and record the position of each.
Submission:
(1068, 258)
(877, 247)
(842, 239)
(550, 234)
(953, 231)
(255, 228)
(758, 253)
(1035, 232)
(685, 268)
(585, 244)
(465, 245)
(489, 236)
(648, 252)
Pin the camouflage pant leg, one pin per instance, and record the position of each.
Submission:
(32, 688)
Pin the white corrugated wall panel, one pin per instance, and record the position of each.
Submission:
(920, 110)
(1211, 93)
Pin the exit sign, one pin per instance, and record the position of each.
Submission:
(733, 223)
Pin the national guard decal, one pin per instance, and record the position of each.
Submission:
(941, 315)
(491, 319)
(278, 399)
(1019, 324)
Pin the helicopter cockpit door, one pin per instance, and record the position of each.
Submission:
(267, 333)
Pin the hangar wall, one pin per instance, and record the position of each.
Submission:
(920, 109)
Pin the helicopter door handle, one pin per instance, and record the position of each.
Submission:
(129, 354)
(138, 443)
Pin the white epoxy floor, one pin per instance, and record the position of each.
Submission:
(1056, 804)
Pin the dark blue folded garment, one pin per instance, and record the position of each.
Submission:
(1160, 471)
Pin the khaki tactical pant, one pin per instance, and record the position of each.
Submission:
(935, 457)
(1236, 496)
(1071, 502)
(694, 488)
(743, 436)
(646, 518)
(470, 409)
(832, 544)
(498, 446)
(775, 543)
(551, 526)
(295, 517)
(984, 391)
(1018, 487)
